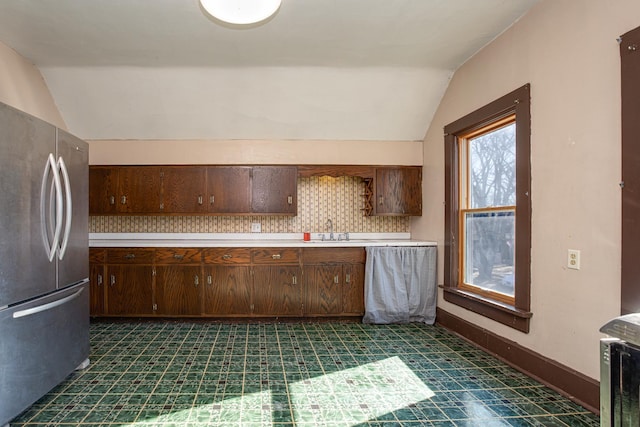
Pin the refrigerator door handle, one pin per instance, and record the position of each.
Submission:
(51, 246)
(68, 207)
(48, 306)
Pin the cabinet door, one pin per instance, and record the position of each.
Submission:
(398, 191)
(229, 189)
(274, 190)
(353, 289)
(324, 289)
(184, 189)
(129, 290)
(103, 190)
(277, 290)
(178, 290)
(227, 290)
(96, 289)
(139, 189)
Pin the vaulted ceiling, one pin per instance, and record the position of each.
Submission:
(319, 69)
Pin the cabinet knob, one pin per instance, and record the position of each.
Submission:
(99, 279)
(209, 280)
(123, 200)
(276, 256)
(113, 280)
(347, 278)
(290, 200)
(380, 200)
(200, 200)
(130, 256)
(294, 280)
(178, 256)
(212, 199)
(112, 200)
(336, 280)
(196, 281)
(226, 256)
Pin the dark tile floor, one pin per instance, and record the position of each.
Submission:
(303, 374)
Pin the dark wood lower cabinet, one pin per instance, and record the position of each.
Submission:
(178, 290)
(129, 290)
(277, 290)
(227, 282)
(227, 291)
(334, 281)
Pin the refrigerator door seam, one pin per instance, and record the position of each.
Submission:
(68, 206)
(51, 246)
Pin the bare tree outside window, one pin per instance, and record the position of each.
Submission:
(489, 217)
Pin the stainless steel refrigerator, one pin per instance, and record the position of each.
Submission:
(44, 270)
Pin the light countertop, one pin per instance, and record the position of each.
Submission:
(203, 240)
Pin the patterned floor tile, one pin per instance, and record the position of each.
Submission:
(173, 373)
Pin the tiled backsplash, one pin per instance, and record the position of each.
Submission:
(319, 199)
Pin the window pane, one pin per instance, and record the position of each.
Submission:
(492, 164)
(489, 250)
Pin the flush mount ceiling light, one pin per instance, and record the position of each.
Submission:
(241, 12)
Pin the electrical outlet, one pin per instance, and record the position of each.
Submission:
(256, 227)
(573, 259)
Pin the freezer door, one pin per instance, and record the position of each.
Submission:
(25, 145)
(43, 341)
(73, 248)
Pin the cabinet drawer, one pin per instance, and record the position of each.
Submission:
(275, 256)
(130, 256)
(97, 256)
(178, 256)
(333, 255)
(227, 256)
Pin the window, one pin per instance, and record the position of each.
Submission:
(488, 210)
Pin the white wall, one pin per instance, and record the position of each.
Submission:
(22, 87)
(567, 50)
(302, 152)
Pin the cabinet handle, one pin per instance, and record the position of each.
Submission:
(290, 200)
(347, 278)
(113, 279)
(155, 307)
(294, 280)
(226, 256)
(212, 199)
(130, 256)
(199, 200)
(276, 256)
(196, 281)
(123, 200)
(112, 200)
(161, 206)
(178, 256)
(380, 200)
(336, 280)
(99, 279)
(209, 280)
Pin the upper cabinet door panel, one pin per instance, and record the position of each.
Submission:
(398, 191)
(139, 189)
(274, 190)
(103, 189)
(184, 189)
(229, 189)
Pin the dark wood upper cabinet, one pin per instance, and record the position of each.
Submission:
(398, 191)
(274, 190)
(183, 189)
(124, 190)
(229, 189)
(103, 190)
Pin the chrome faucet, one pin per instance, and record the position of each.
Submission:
(329, 225)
